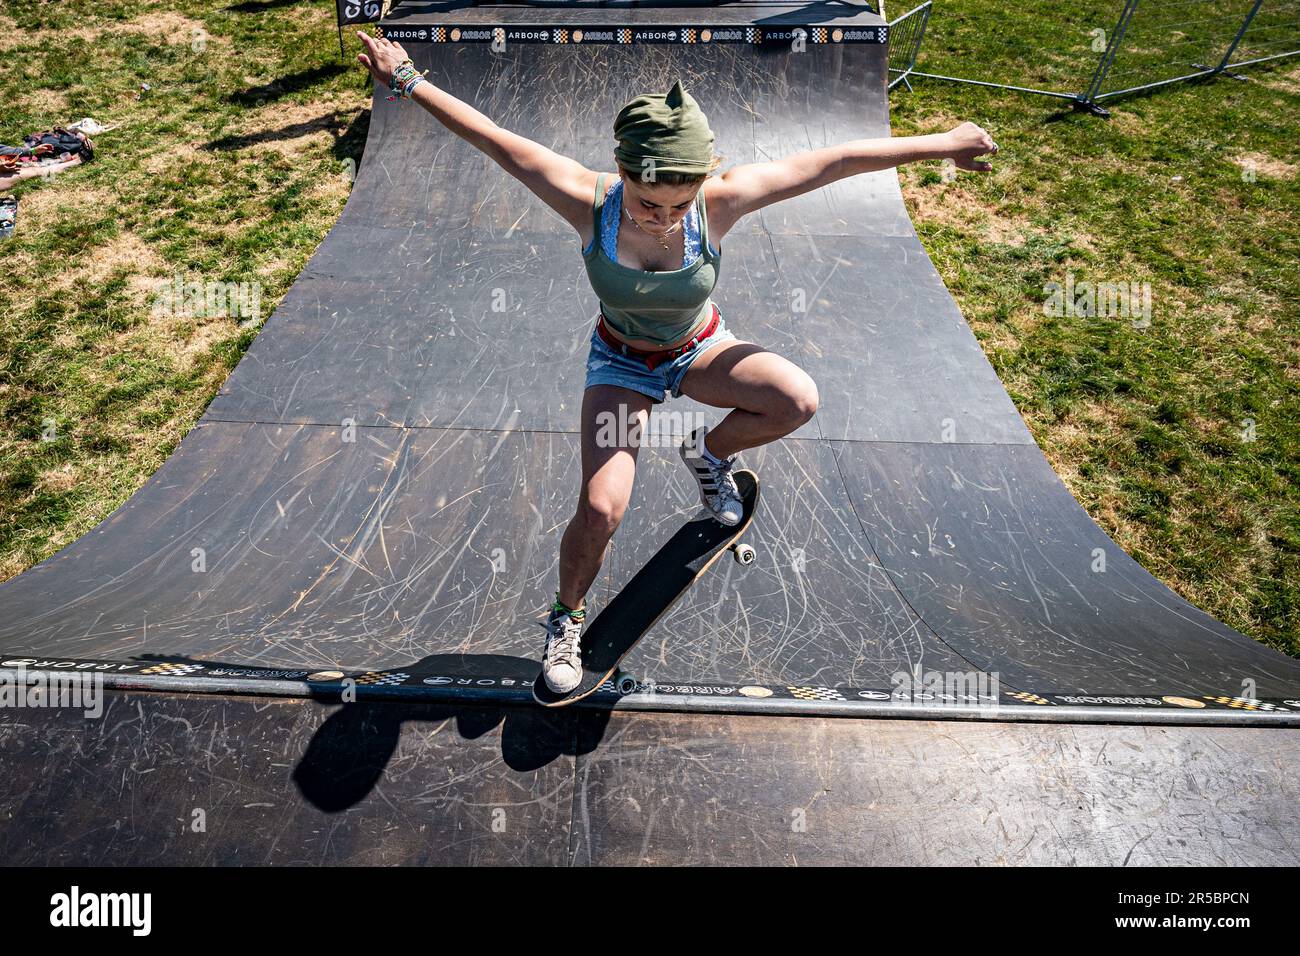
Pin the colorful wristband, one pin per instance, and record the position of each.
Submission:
(404, 80)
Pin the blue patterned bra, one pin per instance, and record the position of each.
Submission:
(613, 218)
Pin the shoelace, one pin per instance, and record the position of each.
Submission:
(723, 481)
(564, 644)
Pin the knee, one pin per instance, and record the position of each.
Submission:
(800, 402)
(600, 513)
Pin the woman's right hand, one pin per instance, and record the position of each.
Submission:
(382, 56)
(968, 141)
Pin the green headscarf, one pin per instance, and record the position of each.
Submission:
(668, 128)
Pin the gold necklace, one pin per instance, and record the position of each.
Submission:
(649, 233)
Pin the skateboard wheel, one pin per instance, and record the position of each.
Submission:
(744, 554)
(624, 683)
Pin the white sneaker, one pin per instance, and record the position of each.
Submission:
(718, 489)
(562, 659)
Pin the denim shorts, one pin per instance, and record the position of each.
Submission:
(607, 367)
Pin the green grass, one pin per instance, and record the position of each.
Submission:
(231, 168)
(1145, 425)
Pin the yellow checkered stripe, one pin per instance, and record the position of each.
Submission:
(172, 669)
(815, 693)
(1242, 703)
(1027, 698)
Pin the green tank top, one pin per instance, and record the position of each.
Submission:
(660, 307)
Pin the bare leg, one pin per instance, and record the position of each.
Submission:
(769, 396)
(608, 472)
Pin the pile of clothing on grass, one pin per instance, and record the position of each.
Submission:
(45, 153)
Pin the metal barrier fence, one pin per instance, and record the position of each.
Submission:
(905, 36)
(1095, 50)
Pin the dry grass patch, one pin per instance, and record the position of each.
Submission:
(179, 155)
(165, 26)
(63, 197)
(10, 36)
(950, 205)
(52, 104)
(300, 127)
(124, 254)
(1288, 82)
(1261, 164)
(1009, 230)
(62, 478)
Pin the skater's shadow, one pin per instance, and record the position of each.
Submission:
(356, 744)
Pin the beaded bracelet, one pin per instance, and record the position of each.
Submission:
(404, 80)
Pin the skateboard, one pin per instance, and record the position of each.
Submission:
(652, 591)
(8, 216)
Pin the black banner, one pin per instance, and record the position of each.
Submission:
(632, 35)
(358, 11)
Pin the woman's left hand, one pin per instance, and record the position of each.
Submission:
(968, 141)
(382, 56)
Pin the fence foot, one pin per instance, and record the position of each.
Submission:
(1090, 106)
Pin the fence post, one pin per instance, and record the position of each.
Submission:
(1232, 48)
(1087, 99)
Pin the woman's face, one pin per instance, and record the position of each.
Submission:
(655, 207)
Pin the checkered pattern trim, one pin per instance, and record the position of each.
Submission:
(382, 678)
(172, 670)
(1242, 703)
(815, 693)
(1027, 698)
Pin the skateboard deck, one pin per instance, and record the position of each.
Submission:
(652, 591)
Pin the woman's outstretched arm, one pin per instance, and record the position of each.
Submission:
(560, 182)
(756, 185)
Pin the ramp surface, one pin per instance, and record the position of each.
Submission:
(387, 473)
(378, 492)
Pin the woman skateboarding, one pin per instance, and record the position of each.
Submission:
(651, 237)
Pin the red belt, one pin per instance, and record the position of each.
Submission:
(655, 359)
